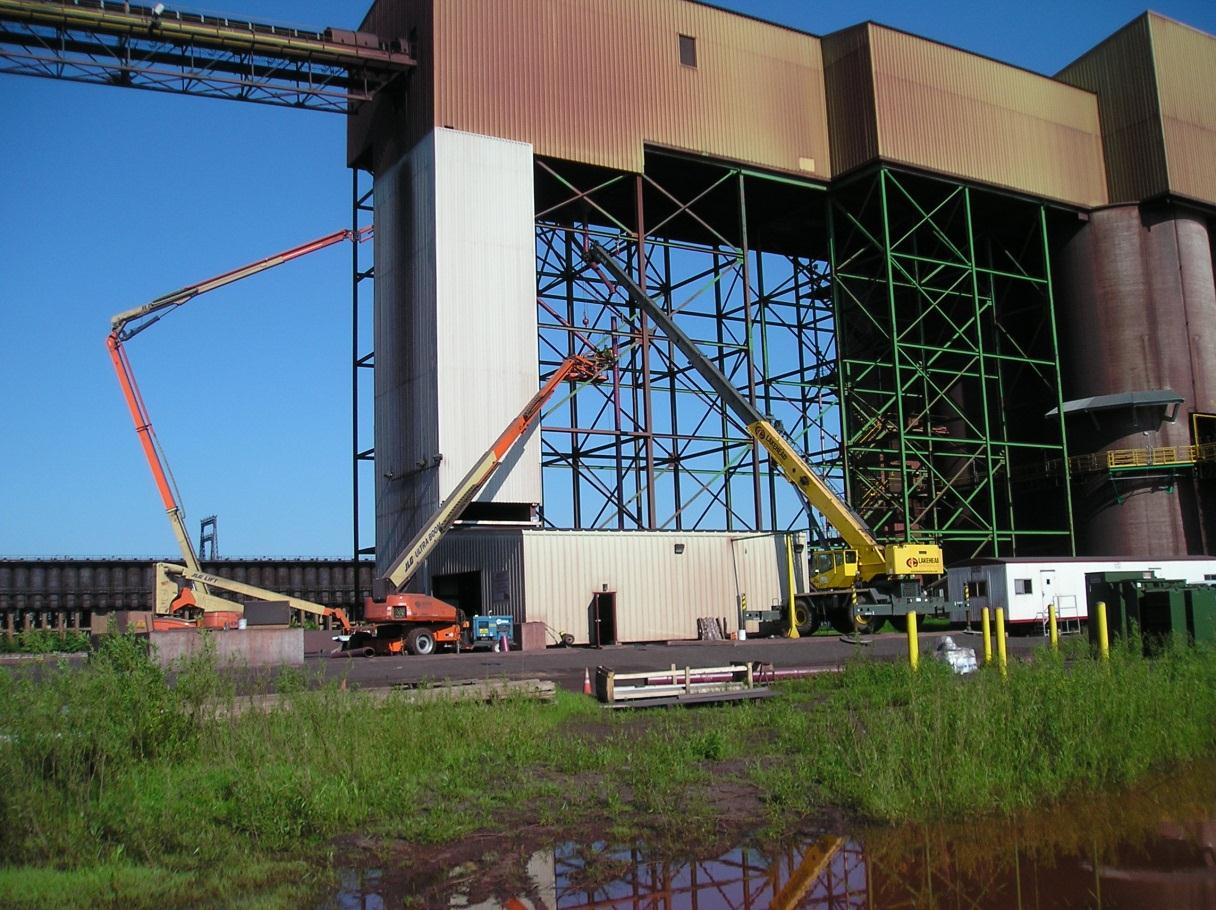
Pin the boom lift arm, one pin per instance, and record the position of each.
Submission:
(577, 368)
(873, 559)
(127, 325)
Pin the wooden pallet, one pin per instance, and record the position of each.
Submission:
(676, 686)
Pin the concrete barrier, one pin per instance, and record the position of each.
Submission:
(239, 647)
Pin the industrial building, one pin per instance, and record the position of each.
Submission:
(976, 298)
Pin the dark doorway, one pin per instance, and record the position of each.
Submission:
(603, 618)
(461, 589)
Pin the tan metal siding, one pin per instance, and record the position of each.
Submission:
(593, 81)
(659, 594)
(849, 77)
(1120, 71)
(945, 110)
(1186, 87)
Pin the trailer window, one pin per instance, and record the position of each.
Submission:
(1022, 586)
(977, 588)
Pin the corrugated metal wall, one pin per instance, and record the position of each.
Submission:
(592, 81)
(455, 325)
(405, 339)
(550, 577)
(849, 75)
(497, 555)
(485, 300)
(1185, 63)
(659, 594)
(949, 111)
(1154, 79)
(401, 115)
(941, 109)
(1120, 71)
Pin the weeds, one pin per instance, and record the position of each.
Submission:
(111, 767)
(44, 641)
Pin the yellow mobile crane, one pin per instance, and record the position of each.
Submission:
(854, 585)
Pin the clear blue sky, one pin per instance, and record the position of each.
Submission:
(112, 197)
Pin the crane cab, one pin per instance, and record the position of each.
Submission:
(833, 568)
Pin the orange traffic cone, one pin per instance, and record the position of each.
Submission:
(586, 681)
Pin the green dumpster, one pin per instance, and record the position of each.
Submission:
(1201, 608)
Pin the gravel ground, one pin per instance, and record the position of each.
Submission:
(565, 666)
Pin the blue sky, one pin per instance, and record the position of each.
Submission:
(112, 197)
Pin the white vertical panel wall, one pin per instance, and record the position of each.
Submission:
(455, 326)
(406, 426)
(485, 281)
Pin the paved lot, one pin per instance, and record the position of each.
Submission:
(565, 666)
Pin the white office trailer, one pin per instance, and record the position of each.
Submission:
(1024, 588)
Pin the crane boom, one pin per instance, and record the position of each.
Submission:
(838, 513)
(873, 558)
(408, 561)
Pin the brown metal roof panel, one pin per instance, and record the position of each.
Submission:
(592, 81)
(849, 76)
(1185, 64)
(1120, 71)
(403, 113)
(945, 110)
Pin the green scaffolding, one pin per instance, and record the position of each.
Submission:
(948, 365)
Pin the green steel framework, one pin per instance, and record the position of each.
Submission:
(900, 328)
(651, 448)
(949, 364)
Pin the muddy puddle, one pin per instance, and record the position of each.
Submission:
(1152, 847)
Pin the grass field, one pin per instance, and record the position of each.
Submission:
(123, 790)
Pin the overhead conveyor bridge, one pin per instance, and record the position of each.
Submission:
(165, 50)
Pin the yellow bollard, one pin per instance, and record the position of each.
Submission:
(789, 555)
(1053, 629)
(1103, 638)
(1002, 660)
(987, 636)
(913, 644)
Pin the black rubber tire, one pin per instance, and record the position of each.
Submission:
(842, 622)
(420, 641)
(807, 619)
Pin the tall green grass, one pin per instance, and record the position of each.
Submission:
(110, 767)
(895, 745)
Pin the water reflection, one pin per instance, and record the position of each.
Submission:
(1154, 847)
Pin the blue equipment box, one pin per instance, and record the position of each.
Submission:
(487, 630)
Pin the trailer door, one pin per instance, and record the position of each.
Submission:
(1047, 591)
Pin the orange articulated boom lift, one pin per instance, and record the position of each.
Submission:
(394, 621)
(187, 589)
(388, 605)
